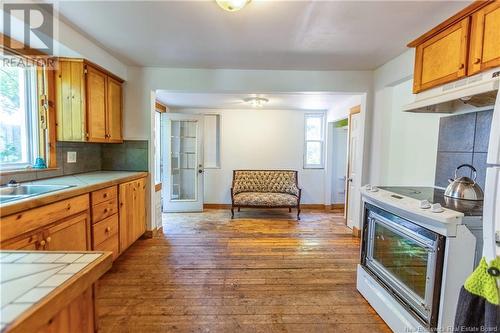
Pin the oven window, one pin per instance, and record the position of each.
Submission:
(405, 259)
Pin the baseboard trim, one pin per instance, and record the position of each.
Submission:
(337, 206)
(152, 233)
(356, 232)
(216, 206)
(302, 206)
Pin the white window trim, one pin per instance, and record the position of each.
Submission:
(322, 141)
(219, 143)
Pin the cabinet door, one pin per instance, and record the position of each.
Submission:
(29, 243)
(70, 108)
(485, 38)
(96, 105)
(69, 235)
(114, 110)
(77, 317)
(442, 58)
(132, 212)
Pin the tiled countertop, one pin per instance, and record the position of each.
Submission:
(34, 279)
(81, 183)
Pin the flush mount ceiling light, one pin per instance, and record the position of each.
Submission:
(256, 102)
(232, 5)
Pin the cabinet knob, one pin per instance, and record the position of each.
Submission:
(461, 66)
(42, 242)
(69, 207)
(48, 239)
(477, 61)
(108, 229)
(105, 210)
(105, 195)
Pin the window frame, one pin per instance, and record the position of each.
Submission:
(321, 165)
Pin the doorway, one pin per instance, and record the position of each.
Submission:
(339, 163)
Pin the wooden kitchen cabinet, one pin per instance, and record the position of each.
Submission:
(70, 101)
(132, 211)
(89, 103)
(63, 225)
(463, 45)
(96, 105)
(485, 38)
(77, 317)
(69, 235)
(105, 220)
(442, 58)
(114, 110)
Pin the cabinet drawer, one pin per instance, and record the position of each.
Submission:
(104, 229)
(29, 220)
(110, 244)
(103, 195)
(104, 209)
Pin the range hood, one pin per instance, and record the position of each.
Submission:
(476, 91)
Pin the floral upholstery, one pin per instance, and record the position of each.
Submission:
(265, 199)
(265, 181)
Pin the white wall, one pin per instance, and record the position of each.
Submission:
(403, 145)
(261, 139)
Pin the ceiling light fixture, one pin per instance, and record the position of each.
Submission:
(232, 5)
(256, 102)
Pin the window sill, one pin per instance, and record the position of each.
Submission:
(24, 170)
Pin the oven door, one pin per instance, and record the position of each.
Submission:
(405, 258)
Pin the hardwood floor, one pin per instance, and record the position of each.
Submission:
(261, 272)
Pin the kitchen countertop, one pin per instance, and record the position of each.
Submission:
(82, 183)
(37, 285)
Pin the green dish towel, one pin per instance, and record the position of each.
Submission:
(478, 308)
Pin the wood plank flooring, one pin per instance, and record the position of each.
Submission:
(261, 272)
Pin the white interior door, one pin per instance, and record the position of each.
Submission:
(183, 163)
(351, 183)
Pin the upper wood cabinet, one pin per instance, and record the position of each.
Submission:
(442, 58)
(89, 103)
(485, 38)
(70, 101)
(114, 106)
(465, 44)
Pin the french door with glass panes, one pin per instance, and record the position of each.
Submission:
(182, 160)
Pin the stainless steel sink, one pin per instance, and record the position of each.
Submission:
(12, 193)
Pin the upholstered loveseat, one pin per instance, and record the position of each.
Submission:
(265, 189)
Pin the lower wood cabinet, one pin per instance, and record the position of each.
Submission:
(77, 317)
(63, 225)
(113, 220)
(69, 235)
(132, 211)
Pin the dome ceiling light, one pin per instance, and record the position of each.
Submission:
(232, 5)
(256, 102)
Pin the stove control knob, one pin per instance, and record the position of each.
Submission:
(436, 208)
(424, 204)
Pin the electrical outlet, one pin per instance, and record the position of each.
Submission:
(71, 157)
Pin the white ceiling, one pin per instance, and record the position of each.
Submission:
(277, 101)
(308, 35)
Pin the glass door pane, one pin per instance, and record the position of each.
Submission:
(402, 257)
(183, 160)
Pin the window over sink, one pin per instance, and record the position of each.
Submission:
(19, 129)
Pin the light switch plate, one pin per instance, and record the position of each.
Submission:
(71, 157)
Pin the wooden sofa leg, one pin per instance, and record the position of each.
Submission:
(239, 209)
(232, 212)
(298, 213)
(289, 209)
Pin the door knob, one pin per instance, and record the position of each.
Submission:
(200, 171)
